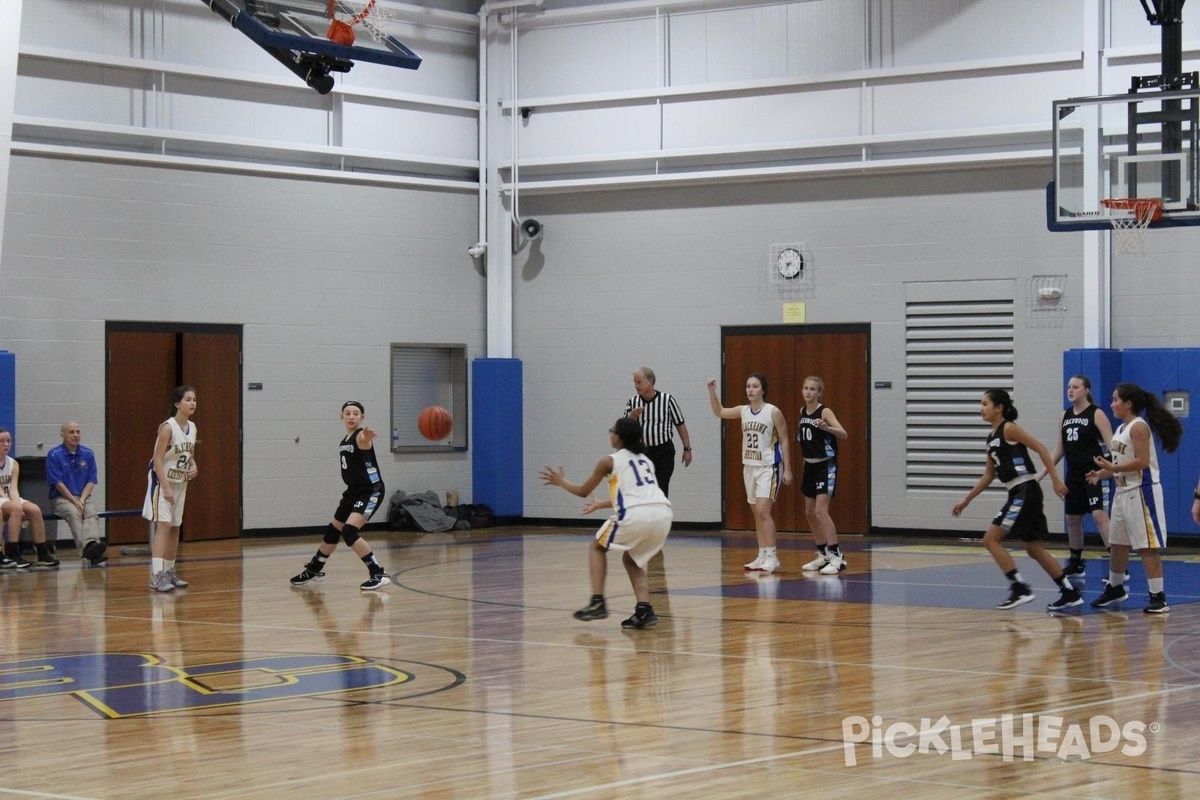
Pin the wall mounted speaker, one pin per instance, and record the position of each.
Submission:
(532, 229)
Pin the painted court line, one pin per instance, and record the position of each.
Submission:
(663, 776)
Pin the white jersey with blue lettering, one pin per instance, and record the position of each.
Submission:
(1122, 453)
(180, 451)
(760, 440)
(1138, 517)
(6, 475)
(632, 483)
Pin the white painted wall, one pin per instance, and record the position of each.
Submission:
(638, 274)
(322, 277)
(10, 26)
(626, 278)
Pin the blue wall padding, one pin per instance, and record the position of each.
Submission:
(8, 393)
(497, 456)
(1188, 457)
(1161, 370)
(1158, 370)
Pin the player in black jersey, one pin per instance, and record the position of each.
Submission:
(818, 432)
(364, 493)
(1085, 433)
(1008, 459)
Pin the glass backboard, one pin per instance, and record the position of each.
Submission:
(1136, 145)
(301, 27)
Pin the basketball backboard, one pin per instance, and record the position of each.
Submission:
(296, 33)
(1134, 145)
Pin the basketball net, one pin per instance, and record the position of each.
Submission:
(372, 16)
(1130, 217)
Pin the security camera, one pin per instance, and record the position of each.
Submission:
(477, 249)
(525, 112)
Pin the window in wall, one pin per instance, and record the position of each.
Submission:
(954, 350)
(426, 375)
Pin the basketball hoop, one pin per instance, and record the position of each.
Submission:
(369, 14)
(1130, 216)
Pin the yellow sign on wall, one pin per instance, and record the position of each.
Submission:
(793, 312)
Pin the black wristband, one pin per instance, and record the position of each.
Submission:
(689, 449)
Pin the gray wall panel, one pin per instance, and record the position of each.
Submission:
(322, 277)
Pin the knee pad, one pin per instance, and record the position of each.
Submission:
(349, 535)
(331, 535)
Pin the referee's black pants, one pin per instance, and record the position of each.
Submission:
(662, 456)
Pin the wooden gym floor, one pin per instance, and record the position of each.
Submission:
(469, 678)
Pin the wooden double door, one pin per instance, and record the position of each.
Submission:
(786, 355)
(146, 361)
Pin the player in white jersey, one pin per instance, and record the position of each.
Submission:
(1138, 519)
(766, 460)
(638, 527)
(17, 511)
(171, 467)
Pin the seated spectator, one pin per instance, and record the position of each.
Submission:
(17, 511)
(71, 473)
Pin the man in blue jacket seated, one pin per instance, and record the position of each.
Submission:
(71, 473)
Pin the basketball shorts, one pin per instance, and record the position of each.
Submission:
(1138, 518)
(761, 481)
(1023, 513)
(640, 532)
(820, 477)
(1084, 498)
(157, 508)
(359, 500)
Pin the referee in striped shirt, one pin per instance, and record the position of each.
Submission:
(659, 413)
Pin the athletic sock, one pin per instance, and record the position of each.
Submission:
(1077, 555)
(1155, 585)
(1116, 578)
(834, 550)
(157, 565)
(823, 549)
(1014, 576)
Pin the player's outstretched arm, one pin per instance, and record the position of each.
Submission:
(557, 477)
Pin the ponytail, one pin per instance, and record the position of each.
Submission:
(999, 397)
(629, 431)
(1087, 384)
(1164, 424)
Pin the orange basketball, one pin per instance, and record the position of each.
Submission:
(435, 423)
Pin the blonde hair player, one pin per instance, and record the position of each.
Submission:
(1084, 433)
(766, 460)
(171, 467)
(818, 434)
